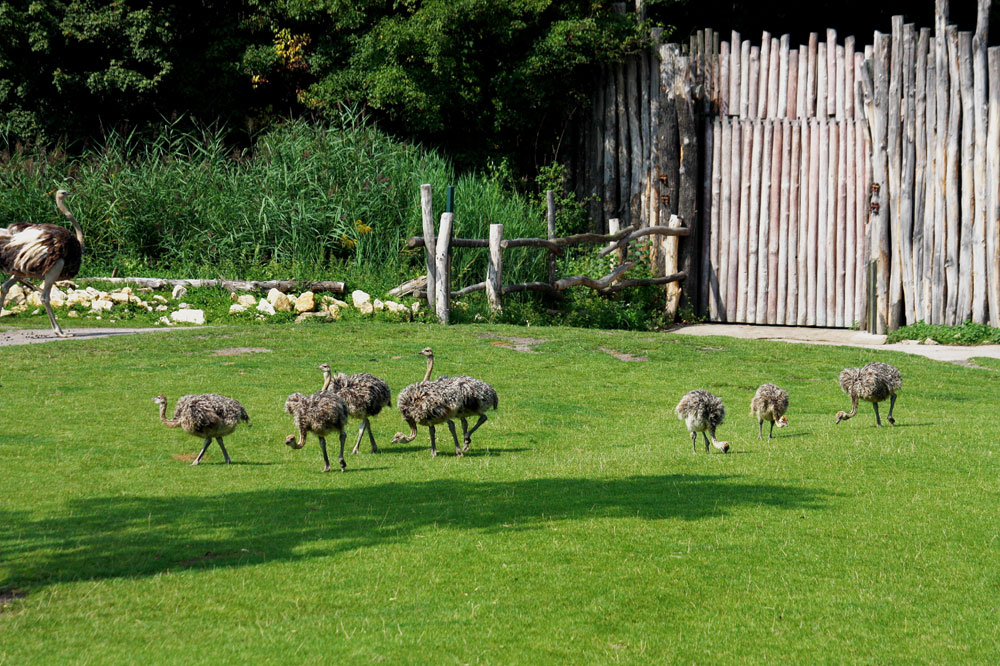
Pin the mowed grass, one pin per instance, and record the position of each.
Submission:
(580, 529)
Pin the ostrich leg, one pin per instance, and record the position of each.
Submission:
(760, 428)
(705, 435)
(197, 460)
(326, 458)
(343, 438)
(361, 433)
(467, 436)
(371, 437)
(4, 289)
(770, 434)
(892, 403)
(434, 450)
(694, 442)
(50, 279)
(878, 421)
(224, 452)
(454, 436)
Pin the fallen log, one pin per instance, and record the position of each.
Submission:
(644, 282)
(283, 286)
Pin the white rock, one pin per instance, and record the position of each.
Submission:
(393, 306)
(101, 305)
(306, 302)
(366, 308)
(161, 299)
(931, 341)
(415, 307)
(189, 316)
(164, 320)
(378, 305)
(162, 308)
(236, 308)
(16, 295)
(310, 315)
(359, 297)
(279, 301)
(118, 297)
(34, 299)
(179, 292)
(265, 307)
(334, 310)
(93, 292)
(73, 314)
(183, 306)
(78, 298)
(247, 300)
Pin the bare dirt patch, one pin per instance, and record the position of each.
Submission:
(517, 343)
(622, 356)
(8, 595)
(184, 457)
(240, 351)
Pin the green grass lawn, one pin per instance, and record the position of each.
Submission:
(581, 528)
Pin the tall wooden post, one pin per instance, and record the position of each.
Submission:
(494, 270)
(442, 303)
(550, 218)
(427, 214)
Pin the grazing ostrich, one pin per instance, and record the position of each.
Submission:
(321, 413)
(45, 252)
(477, 397)
(429, 404)
(702, 412)
(874, 383)
(365, 395)
(769, 404)
(207, 415)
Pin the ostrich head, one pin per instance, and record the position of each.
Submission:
(841, 416)
(782, 422)
(325, 367)
(160, 400)
(399, 437)
(426, 351)
(290, 441)
(722, 446)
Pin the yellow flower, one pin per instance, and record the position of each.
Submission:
(361, 227)
(346, 242)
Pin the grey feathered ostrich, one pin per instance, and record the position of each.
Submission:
(208, 415)
(477, 397)
(769, 404)
(702, 412)
(429, 404)
(873, 383)
(321, 413)
(45, 252)
(365, 396)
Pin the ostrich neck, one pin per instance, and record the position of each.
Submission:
(76, 225)
(327, 378)
(430, 366)
(170, 423)
(413, 433)
(854, 407)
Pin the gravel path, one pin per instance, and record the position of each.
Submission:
(23, 336)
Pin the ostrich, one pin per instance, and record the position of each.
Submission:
(702, 412)
(207, 415)
(874, 383)
(365, 395)
(477, 397)
(429, 403)
(769, 404)
(45, 252)
(321, 413)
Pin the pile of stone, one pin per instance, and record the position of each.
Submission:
(307, 305)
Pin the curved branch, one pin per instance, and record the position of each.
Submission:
(602, 283)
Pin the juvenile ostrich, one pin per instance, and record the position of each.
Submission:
(873, 383)
(207, 415)
(702, 412)
(45, 252)
(769, 404)
(477, 397)
(429, 404)
(365, 395)
(321, 413)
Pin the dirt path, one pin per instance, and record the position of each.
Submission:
(837, 336)
(23, 336)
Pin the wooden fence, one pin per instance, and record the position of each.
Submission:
(828, 184)
(436, 285)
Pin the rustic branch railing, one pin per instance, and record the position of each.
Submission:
(437, 284)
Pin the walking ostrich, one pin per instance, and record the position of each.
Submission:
(429, 404)
(769, 404)
(321, 413)
(45, 252)
(207, 415)
(873, 383)
(365, 396)
(702, 412)
(477, 397)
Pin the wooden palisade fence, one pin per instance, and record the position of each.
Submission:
(437, 251)
(826, 184)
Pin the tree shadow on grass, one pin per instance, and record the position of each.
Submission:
(112, 537)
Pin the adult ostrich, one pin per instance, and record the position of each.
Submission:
(873, 383)
(45, 252)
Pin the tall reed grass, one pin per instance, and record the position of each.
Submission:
(308, 201)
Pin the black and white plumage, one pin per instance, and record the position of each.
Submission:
(321, 413)
(365, 396)
(477, 397)
(429, 404)
(702, 412)
(45, 252)
(208, 415)
(873, 383)
(769, 404)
